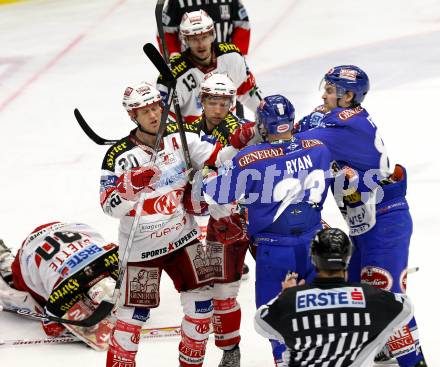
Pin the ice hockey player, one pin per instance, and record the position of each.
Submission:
(58, 266)
(282, 184)
(226, 234)
(166, 236)
(230, 18)
(372, 196)
(201, 56)
(332, 322)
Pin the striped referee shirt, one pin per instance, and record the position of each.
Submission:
(332, 323)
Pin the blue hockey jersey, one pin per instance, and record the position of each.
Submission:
(282, 185)
(356, 146)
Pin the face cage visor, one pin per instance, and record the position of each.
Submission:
(261, 128)
(340, 91)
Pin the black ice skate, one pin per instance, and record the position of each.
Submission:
(231, 358)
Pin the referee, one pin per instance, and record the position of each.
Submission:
(330, 322)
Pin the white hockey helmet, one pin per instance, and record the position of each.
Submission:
(103, 290)
(196, 22)
(218, 85)
(140, 95)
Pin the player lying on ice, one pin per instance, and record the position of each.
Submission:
(61, 268)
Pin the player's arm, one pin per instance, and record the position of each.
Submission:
(245, 81)
(112, 202)
(228, 185)
(171, 17)
(333, 139)
(310, 121)
(241, 33)
(264, 322)
(210, 150)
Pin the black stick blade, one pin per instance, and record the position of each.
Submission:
(101, 312)
(89, 132)
(98, 315)
(156, 58)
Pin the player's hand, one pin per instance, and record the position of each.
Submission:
(291, 280)
(139, 179)
(243, 135)
(193, 202)
(52, 328)
(229, 230)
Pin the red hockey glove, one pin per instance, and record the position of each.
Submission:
(52, 328)
(131, 183)
(193, 202)
(228, 230)
(240, 137)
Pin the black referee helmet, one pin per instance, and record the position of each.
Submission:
(331, 250)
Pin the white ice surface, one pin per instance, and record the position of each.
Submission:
(58, 55)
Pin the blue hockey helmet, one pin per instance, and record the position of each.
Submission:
(331, 249)
(348, 78)
(276, 113)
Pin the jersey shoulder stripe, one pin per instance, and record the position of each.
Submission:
(224, 48)
(194, 127)
(222, 131)
(179, 65)
(123, 145)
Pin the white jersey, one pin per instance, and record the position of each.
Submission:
(59, 262)
(228, 60)
(164, 225)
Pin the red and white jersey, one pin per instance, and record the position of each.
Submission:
(164, 225)
(230, 18)
(59, 262)
(227, 59)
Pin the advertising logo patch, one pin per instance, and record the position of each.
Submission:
(319, 299)
(204, 306)
(377, 277)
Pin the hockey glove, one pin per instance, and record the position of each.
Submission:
(139, 179)
(193, 202)
(52, 328)
(241, 137)
(228, 230)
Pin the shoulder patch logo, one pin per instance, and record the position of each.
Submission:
(114, 152)
(259, 155)
(349, 113)
(310, 143)
(228, 47)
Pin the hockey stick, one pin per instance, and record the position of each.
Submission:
(149, 333)
(123, 262)
(100, 313)
(156, 58)
(163, 66)
(105, 307)
(158, 11)
(89, 132)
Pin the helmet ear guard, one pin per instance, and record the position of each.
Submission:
(331, 250)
